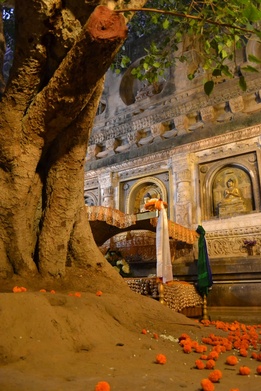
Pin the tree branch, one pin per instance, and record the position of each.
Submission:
(185, 16)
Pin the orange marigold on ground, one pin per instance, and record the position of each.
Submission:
(258, 370)
(207, 385)
(201, 349)
(231, 360)
(215, 376)
(199, 364)
(52, 291)
(42, 290)
(161, 359)
(17, 289)
(102, 386)
(210, 364)
(143, 331)
(98, 293)
(243, 352)
(244, 370)
(187, 348)
(213, 355)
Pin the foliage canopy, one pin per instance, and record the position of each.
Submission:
(211, 31)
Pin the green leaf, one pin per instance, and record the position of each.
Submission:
(165, 24)
(216, 72)
(253, 58)
(242, 83)
(248, 68)
(208, 87)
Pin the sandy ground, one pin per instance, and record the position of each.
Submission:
(60, 341)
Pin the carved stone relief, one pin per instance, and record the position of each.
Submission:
(230, 186)
(136, 191)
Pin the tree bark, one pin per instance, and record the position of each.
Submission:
(46, 117)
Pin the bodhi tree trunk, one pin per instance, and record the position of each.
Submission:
(63, 50)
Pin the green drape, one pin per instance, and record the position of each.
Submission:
(204, 280)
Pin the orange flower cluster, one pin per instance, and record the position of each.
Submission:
(98, 293)
(231, 360)
(18, 289)
(102, 386)
(258, 370)
(76, 294)
(199, 364)
(215, 376)
(161, 359)
(207, 385)
(244, 371)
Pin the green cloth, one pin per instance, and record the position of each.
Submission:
(204, 281)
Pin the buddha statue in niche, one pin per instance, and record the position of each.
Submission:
(231, 193)
(232, 202)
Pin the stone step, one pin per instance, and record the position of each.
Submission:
(247, 315)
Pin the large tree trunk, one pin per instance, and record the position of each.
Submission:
(63, 50)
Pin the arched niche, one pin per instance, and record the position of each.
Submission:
(135, 197)
(132, 89)
(214, 187)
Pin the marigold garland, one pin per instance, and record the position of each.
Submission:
(102, 386)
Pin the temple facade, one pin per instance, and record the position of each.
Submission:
(200, 154)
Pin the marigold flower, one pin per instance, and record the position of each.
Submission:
(98, 293)
(231, 360)
(102, 386)
(200, 349)
(187, 348)
(210, 364)
(23, 289)
(17, 289)
(78, 294)
(207, 385)
(184, 336)
(244, 370)
(143, 331)
(213, 355)
(243, 352)
(52, 291)
(215, 376)
(42, 290)
(155, 336)
(199, 364)
(203, 357)
(258, 370)
(161, 359)
(254, 355)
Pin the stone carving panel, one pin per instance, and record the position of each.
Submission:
(230, 186)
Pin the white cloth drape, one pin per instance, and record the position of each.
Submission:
(164, 266)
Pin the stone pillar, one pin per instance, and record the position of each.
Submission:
(107, 189)
(183, 192)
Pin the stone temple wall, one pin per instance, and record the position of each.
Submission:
(200, 154)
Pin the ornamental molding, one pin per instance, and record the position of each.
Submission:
(171, 107)
(153, 162)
